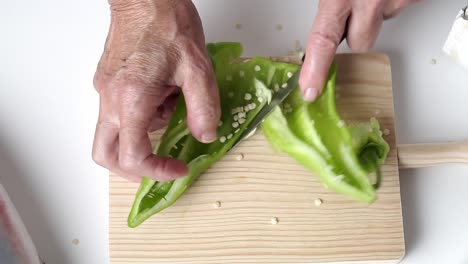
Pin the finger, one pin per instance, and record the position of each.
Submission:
(138, 103)
(393, 8)
(201, 96)
(324, 39)
(135, 157)
(365, 23)
(105, 146)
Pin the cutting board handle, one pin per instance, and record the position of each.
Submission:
(429, 155)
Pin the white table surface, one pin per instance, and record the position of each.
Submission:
(48, 110)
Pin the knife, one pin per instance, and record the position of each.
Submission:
(276, 100)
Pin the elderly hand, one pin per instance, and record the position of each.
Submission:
(362, 21)
(154, 50)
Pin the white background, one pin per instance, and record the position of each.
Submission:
(48, 109)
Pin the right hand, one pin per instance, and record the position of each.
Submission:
(361, 20)
(154, 50)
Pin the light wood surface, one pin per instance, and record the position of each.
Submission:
(429, 155)
(266, 184)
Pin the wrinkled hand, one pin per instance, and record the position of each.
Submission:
(155, 49)
(362, 21)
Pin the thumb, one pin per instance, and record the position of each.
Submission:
(201, 98)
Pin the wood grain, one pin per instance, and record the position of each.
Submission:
(268, 184)
(429, 155)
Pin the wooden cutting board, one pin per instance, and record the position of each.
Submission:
(254, 184)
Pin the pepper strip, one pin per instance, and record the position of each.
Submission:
(244, 86)
(315, 135)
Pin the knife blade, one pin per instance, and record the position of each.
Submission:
(277, 98)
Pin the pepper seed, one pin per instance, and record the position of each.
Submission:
(240, 157)
(318, 202)
(274, 220)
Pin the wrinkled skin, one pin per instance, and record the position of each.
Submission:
(155, 49)
(360, 19)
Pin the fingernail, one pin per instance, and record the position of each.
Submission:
(208, 137)
(310, 94)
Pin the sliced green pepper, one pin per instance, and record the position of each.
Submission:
(244, 88)
(313, 133)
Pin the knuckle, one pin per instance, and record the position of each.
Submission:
(197, 59)
(162, 169)
(127, 162)
(325, 40)
(211, 113)
(101, 158)
(100, 82)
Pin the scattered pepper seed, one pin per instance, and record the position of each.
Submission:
(76, 241)
(260, 99)
(237, 131)
(247, 96)
(229, 136)
(180, 121)
(222, 139)
(230, 94)
(284, 86)
(318, 202)
(274, 220)
(235, 125)
(340, 123)
(240, 157)
(236, 117)
(229, 78)
(220, 123)
(241, 121)
(241, 73)
(276, 87)
(289, 74)
(217, 204)
(257, 68)
(386, 132)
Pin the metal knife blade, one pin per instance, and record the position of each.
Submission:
(276, 100)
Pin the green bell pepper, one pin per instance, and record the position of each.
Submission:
(315, 135)
(245, 87)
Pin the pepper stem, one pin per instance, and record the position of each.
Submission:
(370, 156)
